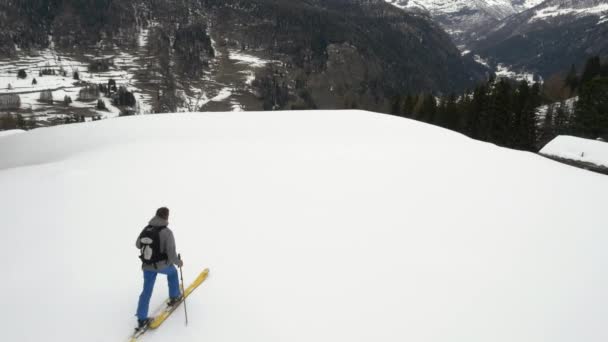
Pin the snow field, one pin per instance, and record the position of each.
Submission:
(321, 225)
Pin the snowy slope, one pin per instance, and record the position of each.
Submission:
(317, 226)
(579, 149)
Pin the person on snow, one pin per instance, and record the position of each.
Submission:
(158, 255)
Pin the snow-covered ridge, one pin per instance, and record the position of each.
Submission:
(317, 226)
(526, 4)
(557, 10)
(500, 7)
(11, 132)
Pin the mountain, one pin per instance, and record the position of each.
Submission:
(245, 54)
(465, 20)
(383, 228)
(550, 37)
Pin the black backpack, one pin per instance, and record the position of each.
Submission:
(149, 240)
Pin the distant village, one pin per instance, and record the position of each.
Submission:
(97, 94)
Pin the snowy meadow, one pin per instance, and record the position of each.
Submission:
(317, 226)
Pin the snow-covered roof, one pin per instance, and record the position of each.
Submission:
(578, 149)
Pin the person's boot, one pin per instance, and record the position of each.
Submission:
(176, 300)
(142, 323)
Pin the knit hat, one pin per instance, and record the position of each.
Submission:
(163, 213)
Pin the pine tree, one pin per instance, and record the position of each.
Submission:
(408, 106)
(572, 79)
(476, 124)
(464, 110)
(604, 71)
(593, 68)
(521, 111)
(500, 112)
(452, 112)
(441, 113)
(548, 130)
(417, 109)
(530, 123)
(428, 109)
(396, 105)
(591, 110)
(561, 123)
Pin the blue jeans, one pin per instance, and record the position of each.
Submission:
(149, 280)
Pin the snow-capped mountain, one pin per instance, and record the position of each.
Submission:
(550, 37)
(466, 19)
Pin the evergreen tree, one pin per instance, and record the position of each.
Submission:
(439, 118)
(396, 105)
(476, 123)
(561, 122)
(527, 100)
(604, 71)
(428, 109)
(408, 106)
(572, 79)
(548, 131)
(500, 113)
(593, 68)
(530, 118)
(591, 110)
(452, 113)
(417, 109)
(464, 110)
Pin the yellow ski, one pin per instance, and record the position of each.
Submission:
(158, 320)
(140, 332)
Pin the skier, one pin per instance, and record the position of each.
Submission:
(157, 246)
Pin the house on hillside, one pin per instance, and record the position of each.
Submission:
(46, 96)
(89, 93)
(101, 64)
(584, 153)
(10, 101)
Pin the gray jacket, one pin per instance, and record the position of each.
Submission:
(167, 245)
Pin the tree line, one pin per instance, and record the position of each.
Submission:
(520, 115)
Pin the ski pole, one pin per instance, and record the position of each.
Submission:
(181, 275)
